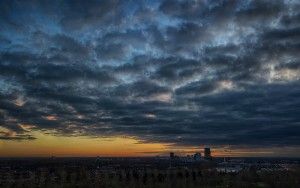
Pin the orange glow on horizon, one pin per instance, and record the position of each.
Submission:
(46, 145)
(50, 145)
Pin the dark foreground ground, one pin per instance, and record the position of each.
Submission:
(148, 172)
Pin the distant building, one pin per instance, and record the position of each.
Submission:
(207, 153)
(172, 155)
(98, 162)
(197, 156)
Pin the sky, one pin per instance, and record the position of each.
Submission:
(146, 77)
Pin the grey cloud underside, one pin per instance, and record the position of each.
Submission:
(180, 72)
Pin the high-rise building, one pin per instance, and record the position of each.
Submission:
(207, 153)
(172, 155)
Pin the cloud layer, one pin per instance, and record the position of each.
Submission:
(181, 72)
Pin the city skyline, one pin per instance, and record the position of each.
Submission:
(146, 78)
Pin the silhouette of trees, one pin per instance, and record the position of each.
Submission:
(145, 178)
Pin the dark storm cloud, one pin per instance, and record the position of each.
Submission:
(291, 20)
(80, 14)
(199, 10)
(180, 72)
(260, 10)
(177, 69)
(111, 52)
(24, 67)
(15, 138)
(284, 34)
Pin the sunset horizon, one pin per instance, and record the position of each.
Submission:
(146, 78)
(149, 93)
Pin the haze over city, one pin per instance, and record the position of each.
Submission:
(146, 78)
